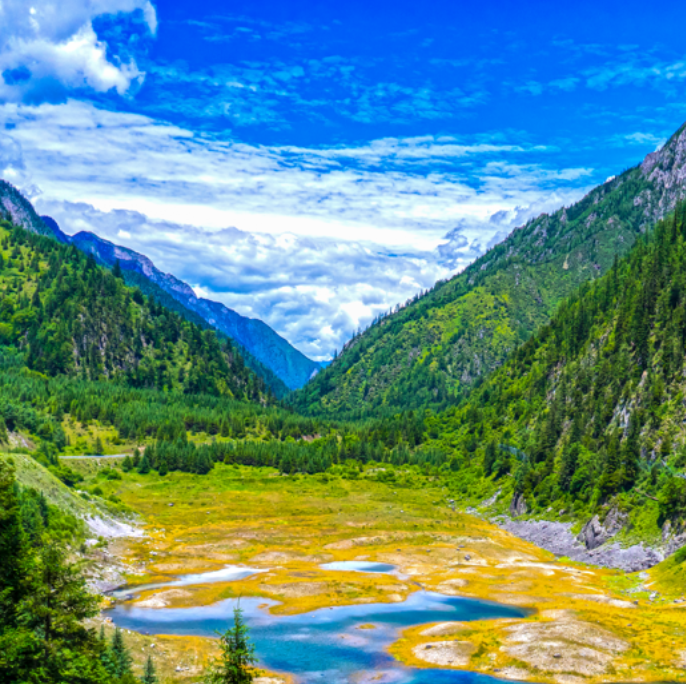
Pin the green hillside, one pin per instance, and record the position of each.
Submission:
(591, 408)
(147, 287)
(434, 348)
(72, 317)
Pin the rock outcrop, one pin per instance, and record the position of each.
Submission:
(595, 534)
(518, 505)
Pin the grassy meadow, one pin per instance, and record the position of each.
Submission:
(587, 624)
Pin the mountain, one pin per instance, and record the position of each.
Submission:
(70, 317)
(150, 289)
(269, 354)
(269, 348)
(438, 345)
(16, 209)
(588, 417)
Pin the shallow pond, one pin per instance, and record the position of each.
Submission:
(360, 566)
(230, 573)
(326, 645)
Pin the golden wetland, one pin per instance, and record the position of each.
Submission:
(587, 624)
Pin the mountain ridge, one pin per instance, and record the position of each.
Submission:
(430, 352)
(274, 357)
(267, 346)
(585, 420)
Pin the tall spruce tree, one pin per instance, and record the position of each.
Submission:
(149, 674)
(237, 655)
(43, 601)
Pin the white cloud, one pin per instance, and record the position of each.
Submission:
(324, 239)
(117, 160)
(48, 48)
(314, 291)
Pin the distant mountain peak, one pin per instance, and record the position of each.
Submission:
(18, 210)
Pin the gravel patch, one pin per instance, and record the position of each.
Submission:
(557, 538)
(109, 528)
(446, 653)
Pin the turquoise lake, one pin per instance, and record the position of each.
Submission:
(326, 645)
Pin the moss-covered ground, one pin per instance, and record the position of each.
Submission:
(587, 624)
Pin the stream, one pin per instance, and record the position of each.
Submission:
(329, 645)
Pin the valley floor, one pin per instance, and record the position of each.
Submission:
(587, 624)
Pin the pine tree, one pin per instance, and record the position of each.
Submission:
(237, 655)
(116, 270)
(120, 656)
(13, 546)
(149, 674)
(99, 448)
(144, 466)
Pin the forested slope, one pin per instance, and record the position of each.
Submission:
(147, 287)
(271, 356)
(72, 317)
(591, 409)
(439, 344)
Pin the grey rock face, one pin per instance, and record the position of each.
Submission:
(518, 506)
(595, 534)
(666, 170)
(16, 208)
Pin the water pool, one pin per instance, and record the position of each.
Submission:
(360, 566)
(328, 644)
(230, 573)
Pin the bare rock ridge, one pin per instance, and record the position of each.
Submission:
(290, 366)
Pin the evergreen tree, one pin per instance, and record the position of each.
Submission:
(237, 655)
(120, 658)
(144, 467)
(14, 563)
(43, 601)
(149, 674)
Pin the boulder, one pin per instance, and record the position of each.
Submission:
(595, 534)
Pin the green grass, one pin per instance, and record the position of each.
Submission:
(32, 474)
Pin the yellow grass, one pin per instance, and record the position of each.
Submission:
(583, 620)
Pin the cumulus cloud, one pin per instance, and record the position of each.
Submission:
(49, 48)
(315, 241)
(313, 291)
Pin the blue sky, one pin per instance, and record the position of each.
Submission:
(314, 163)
